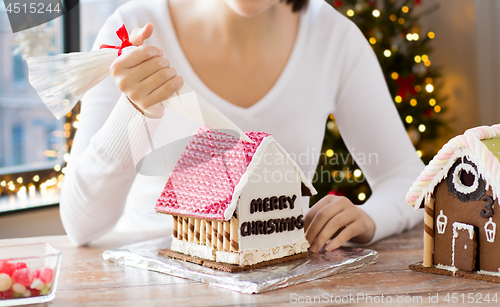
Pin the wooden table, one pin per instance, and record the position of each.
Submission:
(87, 280)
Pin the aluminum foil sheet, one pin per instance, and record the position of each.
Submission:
(144, 255)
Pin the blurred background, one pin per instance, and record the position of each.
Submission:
(439, 58)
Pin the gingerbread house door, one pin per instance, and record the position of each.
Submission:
(464, 247)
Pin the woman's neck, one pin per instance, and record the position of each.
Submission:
(220, 23)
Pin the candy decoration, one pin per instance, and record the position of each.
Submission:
(7, 268)
(8, 294)
(21, 265)
(19, 288)
(472, 140)
(174, 226)
(123, 36)
(45, 290)
(37, 284)
(23, 277)
(227, 237)
(5, 282)
(234, 234)
(46, 275)
(35, 292)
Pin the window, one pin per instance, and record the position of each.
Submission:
(33, 144)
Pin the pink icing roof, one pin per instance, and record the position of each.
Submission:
(203, 180)
(471, 140)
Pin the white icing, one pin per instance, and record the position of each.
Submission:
(462, 226)
(250, 257)
(489, 273)
(227, 257)
(247, 257)
(447, 267)
(261, 185)
(193, 249)
(490, 231)
(457, 182)
(441, 222)
(456, 227)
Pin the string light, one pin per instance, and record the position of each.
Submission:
(418, 88)
(437, 109)
(329, 153)
(419, 153)
(431, 35)
(418, 59)
(415, 36)
(427, 63)
(76, 124)
(428, 80)
(432, 102)
(398, 99)
(372, 40)
(401, 21)
(421, 128)
(357, 173)
(405, 9)
(409, 37)
(394, 48)
(36, 178)
(57, 167)
(395, 75)
(3, 183)
(376, 13)
(350, 13)
(409, 119)
(393, 17)
(429, 88)
(361, 196)
(387, 53)
(425, 57)
(413, 102)
(20, 180)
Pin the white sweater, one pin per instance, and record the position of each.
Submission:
(332, 69)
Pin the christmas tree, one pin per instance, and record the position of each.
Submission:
(391, 27)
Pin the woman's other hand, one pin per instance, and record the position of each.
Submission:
(334, 214)
(143, 74)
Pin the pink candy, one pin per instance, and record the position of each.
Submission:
(46, 275)
(7, 267)
(23, 276)
(17, 280)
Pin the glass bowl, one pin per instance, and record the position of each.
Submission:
(28, 273)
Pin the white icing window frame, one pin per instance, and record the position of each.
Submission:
(457, 182)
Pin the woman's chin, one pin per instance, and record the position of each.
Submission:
(249, 8)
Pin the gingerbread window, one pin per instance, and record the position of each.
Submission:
(464, 181)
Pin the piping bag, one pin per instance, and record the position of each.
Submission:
(63, 79)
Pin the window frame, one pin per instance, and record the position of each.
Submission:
(71, 43)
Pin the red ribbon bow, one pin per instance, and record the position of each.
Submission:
(123, 36)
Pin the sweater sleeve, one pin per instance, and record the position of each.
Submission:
(101, 169)
(374, 134)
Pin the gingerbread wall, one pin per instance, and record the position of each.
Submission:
(488, 253)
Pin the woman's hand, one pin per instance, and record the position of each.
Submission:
(334, 214)
(143, 74)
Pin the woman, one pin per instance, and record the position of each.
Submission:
(269, 65)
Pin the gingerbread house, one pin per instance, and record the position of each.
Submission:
(236, 202)
(459, 192)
